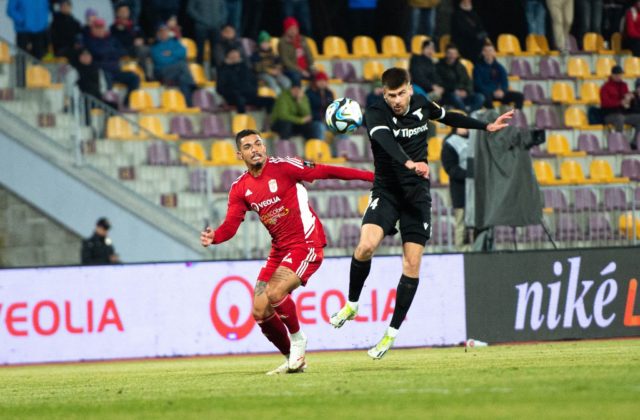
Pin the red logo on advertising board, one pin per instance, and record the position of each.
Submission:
(236, 331)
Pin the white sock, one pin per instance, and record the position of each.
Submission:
(353, 305)
(392, 332)
(297, 336)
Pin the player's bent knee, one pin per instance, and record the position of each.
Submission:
(365, 249)
(276, 292)
(260, 313)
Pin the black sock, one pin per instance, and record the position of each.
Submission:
(406, 291)
(357, 275)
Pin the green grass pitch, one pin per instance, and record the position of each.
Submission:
(580, 379)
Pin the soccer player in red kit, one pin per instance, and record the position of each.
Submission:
(272, 188)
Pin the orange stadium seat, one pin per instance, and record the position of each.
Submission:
(589, 93)
(571, 172)
(334, 47)
(224, 153)
(627, 224)
(603, 66)
(319, 151)
(557, 144)
(313, 47)
(364, 47)
(631, 67)
(578, 67)
(594, 43)
(119, 128)
(140, 100)
(562, 92)
(173, 101)
(509, 44)
(243, 121)
(38, 77)
(192, 153)
(467, 65)
(544, 173)
(538, 44)
(575, 117)
(5, 54)
(600, 171)
(393, 46)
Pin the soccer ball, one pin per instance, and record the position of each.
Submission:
(343, 115)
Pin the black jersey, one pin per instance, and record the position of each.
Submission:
(388, 131)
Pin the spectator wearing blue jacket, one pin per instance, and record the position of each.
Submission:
(170, 63)
(30, 21)
(490, 79)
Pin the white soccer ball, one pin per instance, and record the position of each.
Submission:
(343, 115)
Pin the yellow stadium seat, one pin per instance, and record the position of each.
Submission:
(443, 176)
(313, 47)
(119, 128)
(578, 67)
(224, 153)
(266, 92)
(192, 153)
(140, 100)
(416, 43)
(5, 54)
(626, 224)
(197, 72)
(589, 93)
(364, 47)
(393, 46)
(562, 92)
(243, 121)
(150, 124)
(594, 43)
(275, 41)
(363, 203)
(434, 149)
(173, 101)
(616, 44)
(372, 70)
(443, 42)
(558, 144)
(538, 44)
(575, 117)
(632, 67)
(467, 65)
(38, 77)
(600, 171)
(544, 173)
(190, 45)
(134, 67)
(318, 151)
(571, 172)
(402, 64)
(603, 66)
(334, 47)
(509, 44)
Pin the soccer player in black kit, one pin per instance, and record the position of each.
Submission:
(397, 128)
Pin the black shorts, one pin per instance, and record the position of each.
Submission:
(412, 209)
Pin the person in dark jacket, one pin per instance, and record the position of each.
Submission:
(98, 249)
(160, 11)
(454, 161)
(458, 87)
(170, 63)
(467, 30)
(292, 114)
(267, 65)
(30, 21)
(237, 84)
(423, 71)
(208, 17)
(320, 96)
(64, 30)
(228, 41)
(130, 36)
(490, 79)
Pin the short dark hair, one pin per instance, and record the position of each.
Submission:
(244, 133)
(426, 43)
(395, 77)
(451, 47)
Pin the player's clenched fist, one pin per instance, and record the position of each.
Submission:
(422, 169)
(206, 236)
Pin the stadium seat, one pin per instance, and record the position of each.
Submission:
(508, 44)
(348, 149)
(243, 121)
(275, 41)
(616, 44)
(443, 176)
(286, 148)
(140, 101)
(192, 153)
(266, 92)
(313, 47)
(546, 118)
(578, 67)
(575, 117)
(334, 47)
(603, 66)
(615, 199)
(631, 67)
(594, 43)
(197, 72)
(119, 128)
(319, 151)
(600, 171)
(558, 144)
(190, 45)
(550, 69)
(393, 46)
(544, 173)
(443, 42)
(416, 44)
(555, 199)
(571, 172)
(249, 46)
(585, 200)
(533, 92)
(173, 101)
(344, 71)
(5, 54)
(562, 92)
(364, 47)
(522, 68)
(627, 224)
(182, 126)
(402, 64)
(151, 125)
(363, 203)
(373, 70)
(204, 100)
(434, 149)
(589, 94)
(38, 77)
(537, 44)
(224, 153)
(134, 67)
(468, 65)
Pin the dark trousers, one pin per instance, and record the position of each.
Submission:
(127, 78)
(201, 35)
(286, 129)
(35, 43)
(509, 96)
(241, 99)
(178, 74)
(470, 103)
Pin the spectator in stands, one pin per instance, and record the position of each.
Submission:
(89, 77)
(267, 65)
(237, 84)
(160, 11)
(208, 17)
(423, 71)
(135, 7)
(295, 53)
(589, 17)
(536, 15)
(175, 30)
(64, 30)
(90, 15)
(292, 113)
(490, 79)
(632, 29)
(467, 30)
(454, 161)
(320, 96)
(561, 13)
(376, 94)
(170, 62)
(30, 21)
(234, 14)
(298, 9)
(615, 102)
(98, 249)
(107, 53)
(423, 17)
(130, 36)
(458, 87)
(362, 17)
(228, 41)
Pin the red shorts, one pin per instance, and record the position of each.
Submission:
(304, 261)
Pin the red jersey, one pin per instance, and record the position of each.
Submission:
(281, 201)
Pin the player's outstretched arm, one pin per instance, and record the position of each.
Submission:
(455, 119)
(501, 122)
(318, 171)
(235, 215)
(207, 236)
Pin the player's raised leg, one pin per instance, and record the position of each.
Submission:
(370, 238)
(411, 260)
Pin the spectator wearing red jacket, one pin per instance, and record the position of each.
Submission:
(615, 101)
(632, 28)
